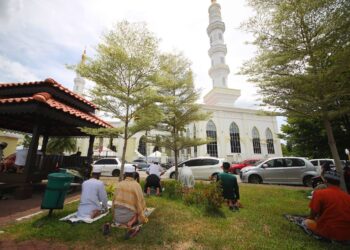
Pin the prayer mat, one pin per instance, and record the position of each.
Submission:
(148, 212)
(299, 220)
(73, 218)
(135, 229)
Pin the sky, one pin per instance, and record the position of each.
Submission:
(38, 38)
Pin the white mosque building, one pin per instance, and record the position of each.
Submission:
(238, 133)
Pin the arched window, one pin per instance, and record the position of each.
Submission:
(195, 150)
(256, 141)
(269, 142)
(142, 145)
(234, 138)
(212, 147)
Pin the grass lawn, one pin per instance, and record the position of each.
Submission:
(174, 225)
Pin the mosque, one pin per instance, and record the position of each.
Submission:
(238, 133)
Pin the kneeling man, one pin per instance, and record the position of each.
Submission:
(230, 188)
(129, 204)
(330, 210)
(93, 200)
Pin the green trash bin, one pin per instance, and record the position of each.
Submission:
(56, 189)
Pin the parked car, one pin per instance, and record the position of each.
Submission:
(141, 164)
(319, 162)
(204, 168)
(110, 166)
(280, 170)
(236, 168)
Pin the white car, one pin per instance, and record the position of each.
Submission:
(204, 168)
(110, 166)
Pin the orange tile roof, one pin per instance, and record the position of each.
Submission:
(46, 98)
(55, 84)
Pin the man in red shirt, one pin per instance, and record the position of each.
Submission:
(330, 210)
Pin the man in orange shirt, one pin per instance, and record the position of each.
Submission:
(330, 210)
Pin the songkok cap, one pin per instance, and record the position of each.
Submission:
(97, 169)
(129, 169)
(332, 175)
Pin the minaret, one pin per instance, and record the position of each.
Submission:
(217, 52)
(79, 82)
(220, 94)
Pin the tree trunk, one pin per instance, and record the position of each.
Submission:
(121, 175)
(333, 147)
(176, 168)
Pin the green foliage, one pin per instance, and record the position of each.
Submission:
(207, 196)
(179, 96)
(59, 145)
(213, 197)
(26, 141)
(172, 189)
(124, 70)
(194, 196)
(303, 60)
(308, 137)
(110, 189)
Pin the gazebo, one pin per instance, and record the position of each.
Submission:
(47, 109)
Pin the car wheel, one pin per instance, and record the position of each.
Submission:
(115, 173)
(237, 171)
(172, 175)
(255, 179)
(307, 181)
(214, 177)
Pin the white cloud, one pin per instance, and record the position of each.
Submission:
(15, 72)
(43, 36)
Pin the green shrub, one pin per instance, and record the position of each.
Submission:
(110, 189)
(172, 189)
(213, 197)
(194, 197)
(208, 196)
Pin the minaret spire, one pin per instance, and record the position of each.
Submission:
(217, 52)
(220, 94)
(79, 82)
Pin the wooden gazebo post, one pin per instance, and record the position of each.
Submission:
(90, 149)
(32, 151)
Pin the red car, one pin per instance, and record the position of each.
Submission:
(236, 168)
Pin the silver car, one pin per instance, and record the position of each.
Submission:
(280, 170)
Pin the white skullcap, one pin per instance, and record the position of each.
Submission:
(128, 168)
(97, 169)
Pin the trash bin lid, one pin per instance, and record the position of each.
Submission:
(62, 176)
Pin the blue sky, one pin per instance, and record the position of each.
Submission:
(39, 37)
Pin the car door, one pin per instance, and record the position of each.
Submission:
(293, 171)
(101, 163)
(273, 172)
(208, 167)
(195, 167)
(109, 166)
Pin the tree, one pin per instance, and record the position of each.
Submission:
(123, 70)
(308, 137)
(175, 86)
(303, 59)
(58, 145)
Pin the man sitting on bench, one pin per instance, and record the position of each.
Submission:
(129, 204)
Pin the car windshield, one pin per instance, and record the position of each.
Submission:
(257, 163)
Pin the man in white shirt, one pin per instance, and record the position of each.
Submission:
(154, 172)
(92, 195)
(21, 157)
